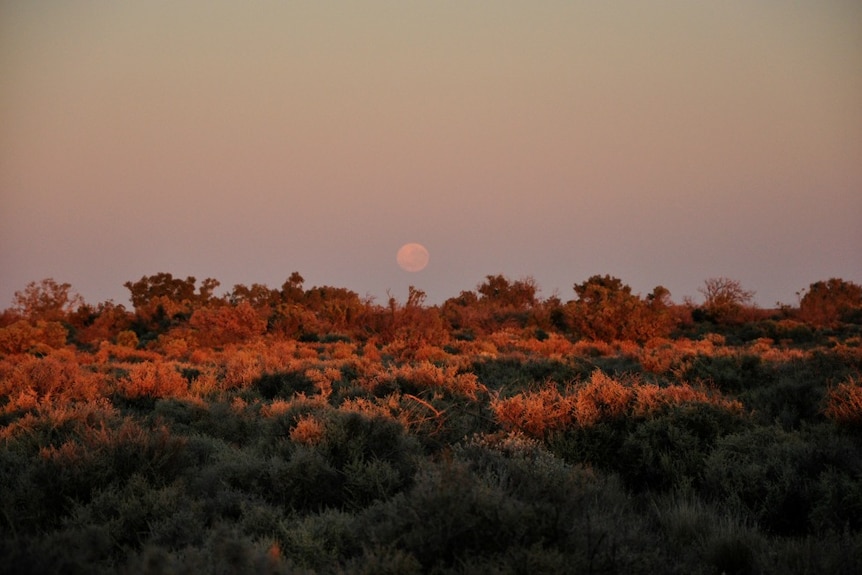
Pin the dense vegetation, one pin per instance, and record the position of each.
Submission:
(300, 430)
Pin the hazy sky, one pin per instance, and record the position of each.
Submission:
(659, 142)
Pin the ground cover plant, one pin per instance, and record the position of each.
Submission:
(299, 430)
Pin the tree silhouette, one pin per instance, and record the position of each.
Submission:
(725, 300)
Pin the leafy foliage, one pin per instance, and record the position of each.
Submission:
(303, 430)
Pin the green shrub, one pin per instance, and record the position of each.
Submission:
(703, 539)
(179, 414)
(85, 550)
(487, 506)
(729, 373)
(351, 436)
(446, 516)
(222, 420)
(790, 400)
(385, 560)
(834, 553)
(766, 473)
(598, 445)
(132, 512)
(283, 384)
(792, 483)
(306, 482)
(515, 373)
(226, 551)
(321, 541)
(670, 450)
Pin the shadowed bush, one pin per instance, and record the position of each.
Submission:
(283, 384)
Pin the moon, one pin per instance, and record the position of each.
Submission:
(412, 257)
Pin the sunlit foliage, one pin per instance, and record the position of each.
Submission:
(299, 430)
(831, 302)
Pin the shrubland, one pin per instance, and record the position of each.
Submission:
(299, 430)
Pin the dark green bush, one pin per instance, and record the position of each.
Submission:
(515, 373)
(789, 401)
(493, 504)
(335, 338)
(373, 455)
(834, 553)
(670, 450)
(704, 538)
(766, 473)
(308, 482)
(221, 420)
(729, 373)
(447, 516)
(226, 551)
(284, 384)
(598, 445)
(179, 414)
(137, 512)
(85, 550)
(321, 541)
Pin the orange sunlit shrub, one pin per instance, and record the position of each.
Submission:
(220, 325)
(586, 348)
(766, 350)
(602, 398)
(627, 348)
(844, 403)
(341, 350)
(204, 384)
(535, 413)
(24, 400)
(432, 353)
(161, 306)
(109, 352)
(202, 355)
(306, 351)
(173, 346)
(51, 415)
(241, 368)
(427, 375)
(307, 431)
(370, 351)
(663, 356)
(276, 408)
(38, 337)
(127, 338)
(238, 405)
(658, 356)
(389, 407)
(323, 379)
(57, 374)
(106, 321)
(554, 346)
(153, 379)
(651, 398)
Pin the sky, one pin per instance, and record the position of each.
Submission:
(662, 143)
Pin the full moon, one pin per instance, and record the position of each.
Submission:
(412, 257)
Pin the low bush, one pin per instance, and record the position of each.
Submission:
(514, 450)
(844, 403)
(764, 473)
(283, 384)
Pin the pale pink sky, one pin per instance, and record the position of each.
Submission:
(660, 142)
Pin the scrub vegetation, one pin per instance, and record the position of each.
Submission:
(306, 430)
